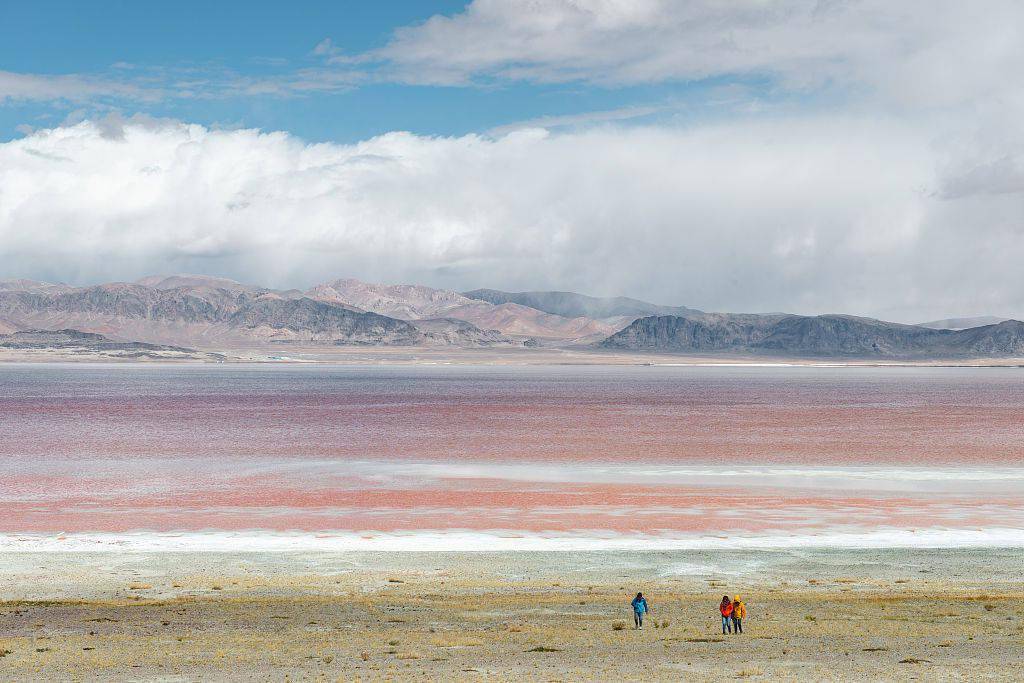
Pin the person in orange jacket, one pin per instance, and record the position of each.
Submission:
(739, 610)
(725, 607)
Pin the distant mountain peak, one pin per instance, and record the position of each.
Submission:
(963, 323)
(190, 281)
(573, 305)
(16, 284)
(408, 302)
(418, 302)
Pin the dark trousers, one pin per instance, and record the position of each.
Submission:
(737, 624)
(638, 618)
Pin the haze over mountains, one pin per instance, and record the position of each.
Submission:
(214, 313)
(416, 303)
(963, 323)
(573, 305)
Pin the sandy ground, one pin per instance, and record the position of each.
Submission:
(506, 616)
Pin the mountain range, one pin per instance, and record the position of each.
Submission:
(211, 313)
(830, 336)
(204, 312)
(195, 312)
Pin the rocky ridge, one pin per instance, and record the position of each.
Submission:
(815, 336)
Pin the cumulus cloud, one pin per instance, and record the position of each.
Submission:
(897, 191)
(811, 214)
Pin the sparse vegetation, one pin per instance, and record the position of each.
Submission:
(366, 629)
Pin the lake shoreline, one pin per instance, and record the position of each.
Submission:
(428, 356)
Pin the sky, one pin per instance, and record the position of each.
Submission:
(801, 156)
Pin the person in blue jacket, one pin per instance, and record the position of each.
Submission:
(640, 608)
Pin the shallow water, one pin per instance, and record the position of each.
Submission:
(699, 456)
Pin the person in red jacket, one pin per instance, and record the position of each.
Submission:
(725, 607)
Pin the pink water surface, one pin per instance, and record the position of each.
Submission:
(121, 448)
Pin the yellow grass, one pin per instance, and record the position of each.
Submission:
(364, 627)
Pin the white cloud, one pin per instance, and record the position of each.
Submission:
(931, 53)
(811, 214)
(158, 84)
(585, 119)
(899, 194)
(325, 48)
(69, 87)
(915, 51)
